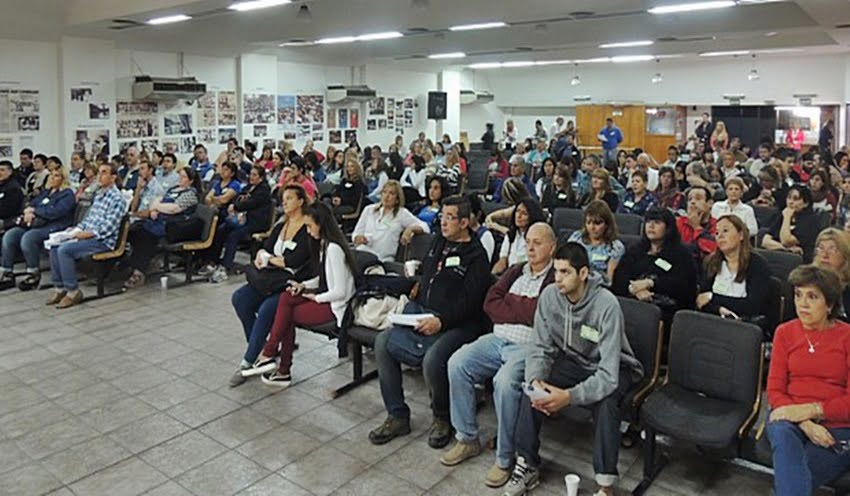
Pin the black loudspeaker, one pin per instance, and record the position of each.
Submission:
(437, 102)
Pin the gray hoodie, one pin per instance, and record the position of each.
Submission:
(591, 333)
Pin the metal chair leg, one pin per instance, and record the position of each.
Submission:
(357, 372)
(651, 467)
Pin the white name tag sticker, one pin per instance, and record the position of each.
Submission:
(2, 195)
(629, 204)
(289, 245)
(453, 261)
(663, 264)
(562, 196)
(45, 201)
(598, 257)
(589, 333)
(348, 185)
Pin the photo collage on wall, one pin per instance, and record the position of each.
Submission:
(137, 124)
(20, 113)
(340, 122)
(91, 132)
(207, 120)
(310, 117)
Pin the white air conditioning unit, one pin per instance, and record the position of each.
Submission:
(162, 89)
(469, 97)
(339, 94)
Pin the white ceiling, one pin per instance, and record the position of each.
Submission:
(549, 27)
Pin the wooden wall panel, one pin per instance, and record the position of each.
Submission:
(656, 145)
(591, 118)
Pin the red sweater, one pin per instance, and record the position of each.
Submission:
(702, 238)
(797, 376)
(505, 308)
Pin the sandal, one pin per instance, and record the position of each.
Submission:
(31, 282)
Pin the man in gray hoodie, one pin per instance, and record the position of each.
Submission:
(579, 356)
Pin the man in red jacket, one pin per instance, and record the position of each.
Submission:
(510, 304)
(698, 228)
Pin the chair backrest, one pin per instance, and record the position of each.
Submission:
(629, 240)
(720, 358)
(765, 216)
(489, 207)
(567, 218)
(80, 211)
(324, 188)
(629, 223)
(478, 179)
(418, 247)
(209, 216)
(644, 331)
(781, 263)
(775, 305)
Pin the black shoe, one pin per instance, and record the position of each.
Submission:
(7, 281)
(389, 430)
(440, 434)
(31, 282)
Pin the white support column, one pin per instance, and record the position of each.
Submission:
(449, 82)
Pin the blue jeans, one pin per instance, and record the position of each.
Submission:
(256, 312)
(399, 345)
(609, 156)
(29, 241)
(63, 261)
(799, 466)
(473, 364)
(231, 243)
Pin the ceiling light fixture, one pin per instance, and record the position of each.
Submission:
(257, 4)
(575, 81)
(304, 13)
(449, 55)
(296, 43)
(753, 75)
(480, 25)
(624, 59)
(657, 77)
(729, 53)
(169, 19)
(627, 44)
(486, 65)
(553, 62)
(691, 7)
(336, 40)
(387, 35)
(518, 63)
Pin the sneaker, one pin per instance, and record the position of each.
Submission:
(523, 479)
(389, 430)
(237, 379)
(207, 270)
(497, 476)
(277, 380)
(440, 434)
(260, 368)
(460, 452)
(220, 275)
(7, 281)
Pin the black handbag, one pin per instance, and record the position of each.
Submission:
(185, 228)
(267, 281)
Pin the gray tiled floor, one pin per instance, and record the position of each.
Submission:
(127, 395)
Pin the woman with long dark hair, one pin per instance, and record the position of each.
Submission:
(559, 193)
(797, 228)
(438, 189)
(514, 249)
(318, 301)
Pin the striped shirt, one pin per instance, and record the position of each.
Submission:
(104, 217)
(528, 285)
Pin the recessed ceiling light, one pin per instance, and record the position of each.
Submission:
(387, 35)
(779, 50)
(448, 55)
(518, 63)
(594, 60)
(729, 53)
(335, 40)
(304, 13)
(691, 7)
(169, 19)
(480, 25)
(619, 59)
(486, 65)
(257, 4)
(770, 34)
(627, 44)
(553, 62)
(296, 43)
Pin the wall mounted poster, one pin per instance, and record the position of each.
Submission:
(286, 110)
(332, 118)
(343, 118)
(136, 119)
(19, 111)
(311, 109)
(92, 141)
(206, 109)
(226, 108)
(376, 106)
(6, 148)
(335, 136)
(178, 124)
(371, 124)
(258, 109)
(350, 135)
(354, 118)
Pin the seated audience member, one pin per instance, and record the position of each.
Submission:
(637, 200)
(75, 175)
(88, 183)
(559, 193)
(26, 167)
(536, 157)
(697, 228)
(517, 174)
(511, 304)
(98, 232)
(580, 355)
(658, 269)
(585, 175)
(548, 172)
(770, 190)
(37, 179)
(49, 212)
(832, 252)
(798, 226)
(735, 279)
(451, 171)
(167, 174)
(455, 278)
(266, 160)
(382, 226)
(176, 205)
(317, 301)
(498, 167)
(377, 174)
(728, 166)
(298, 175)
(287, 255)
(437, 190)
(843, 206)
(600, 237)
(248, 214)
(807, 387)
(11, 196)
(396, 165)
(733, 205)
(600, 189)
(334, 166)
(481, 231)
(348, 196)
(667, 193)
(129, 168)
(224, 189)
(148, 190)
(823, 198)
(513, 250)
(413, 179)
(201, 163)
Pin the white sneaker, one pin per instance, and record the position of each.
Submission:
(219, 275)
(523, 480)
(259, 367)
(207, 270)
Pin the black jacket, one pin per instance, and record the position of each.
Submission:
(455, 279)
(300, 259)
(678, 282)
(11, 201)
(350, 192)
(554, 198)
(256, 202)
(758, 279)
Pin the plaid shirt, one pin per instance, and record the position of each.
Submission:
(104, 217)
(528, 285)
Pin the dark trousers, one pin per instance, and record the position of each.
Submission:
(399, 345)
(606, 416)
(227, 237)
(256, 313)
(145, 246)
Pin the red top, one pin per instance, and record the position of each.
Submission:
(795, 138)
(702, 238)
(798, 376)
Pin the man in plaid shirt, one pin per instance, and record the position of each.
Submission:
(510, 304)
(97, 233)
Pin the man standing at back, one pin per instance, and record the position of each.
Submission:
(610, 136)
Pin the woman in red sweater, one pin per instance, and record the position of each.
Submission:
(808, 388)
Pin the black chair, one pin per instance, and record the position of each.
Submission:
(567, 218)
(645, 332)
(488, 207)
(189, 249)
(257, 239)
(478, 178)
(774, 309)
(765, 216)
(630, 240)
(324, 188)
(781, 262)
(629, 223)
(103, 263)
(419, 246)
(712, 391)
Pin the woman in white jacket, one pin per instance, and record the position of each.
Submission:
(382, 226)
(317, 301)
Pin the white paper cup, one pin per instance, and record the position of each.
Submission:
(572, 481)
(163, 282)
(410, 267)
(264, 259)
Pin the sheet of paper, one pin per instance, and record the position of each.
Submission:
(408, 319)
(602, 137)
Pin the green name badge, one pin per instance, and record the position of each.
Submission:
(589, 333)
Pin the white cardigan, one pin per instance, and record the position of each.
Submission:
(340, 282)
